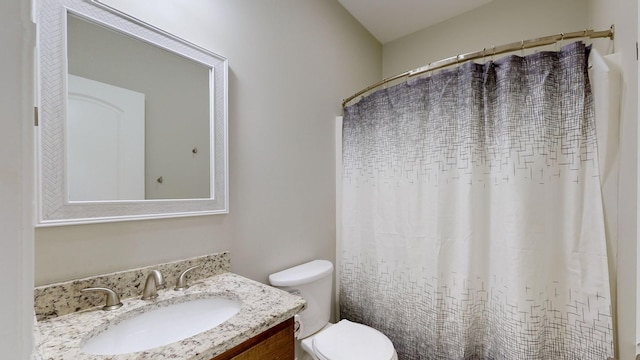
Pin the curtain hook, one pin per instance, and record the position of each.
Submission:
(522, 47)
(559, 42)
(586, 36)
(494, 52)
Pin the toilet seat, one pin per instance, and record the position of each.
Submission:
(347, 340)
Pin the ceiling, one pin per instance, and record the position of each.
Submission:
(389, 20)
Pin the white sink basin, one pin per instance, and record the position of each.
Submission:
(162, 326)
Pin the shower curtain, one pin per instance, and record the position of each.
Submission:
(472, 218)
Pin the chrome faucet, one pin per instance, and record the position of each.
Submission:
(154, 282)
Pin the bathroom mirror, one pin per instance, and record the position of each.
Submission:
(132, 121)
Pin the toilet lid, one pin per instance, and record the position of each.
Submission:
(347, 340)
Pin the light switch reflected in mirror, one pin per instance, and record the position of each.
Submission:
(132, 119)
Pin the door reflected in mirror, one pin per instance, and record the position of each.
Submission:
(138, 119)
(105, 141)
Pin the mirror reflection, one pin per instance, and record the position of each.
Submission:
(138, 120)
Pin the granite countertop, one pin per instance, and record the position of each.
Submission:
(262, 308)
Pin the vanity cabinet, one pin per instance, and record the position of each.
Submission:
(276, 343)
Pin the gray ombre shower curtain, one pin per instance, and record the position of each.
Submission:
(472, 221)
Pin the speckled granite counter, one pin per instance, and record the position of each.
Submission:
(262, 308)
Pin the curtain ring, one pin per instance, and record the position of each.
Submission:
(560, 41)
(586, 36)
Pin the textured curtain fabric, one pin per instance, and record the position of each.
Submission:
(472, 213)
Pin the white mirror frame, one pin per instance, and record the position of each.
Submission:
(54, 207)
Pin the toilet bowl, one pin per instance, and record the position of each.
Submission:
(349, 340)
(319, 339)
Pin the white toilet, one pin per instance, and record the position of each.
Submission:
(321, 340)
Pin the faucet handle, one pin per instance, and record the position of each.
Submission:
(181, 282)
(113, 300)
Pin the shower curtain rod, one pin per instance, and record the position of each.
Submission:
(494, 50)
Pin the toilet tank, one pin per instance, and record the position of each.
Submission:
(313, 282)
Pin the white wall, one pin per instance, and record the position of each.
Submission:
(16, 163)
(506, 21)
(499, 22)
(291, 63)
(624, 14)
